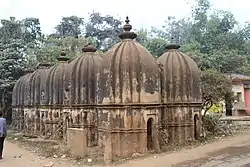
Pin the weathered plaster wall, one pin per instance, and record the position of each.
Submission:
(86, 118)
(77, 141)
(123, 131)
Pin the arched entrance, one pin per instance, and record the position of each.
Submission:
(196, 127)
(150, 134)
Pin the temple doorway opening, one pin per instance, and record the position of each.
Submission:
(196, 126)
(150, 134)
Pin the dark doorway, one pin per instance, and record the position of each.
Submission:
(22, 119)
(229, 104)
(196, 126)
(229, 109)
(150, 134)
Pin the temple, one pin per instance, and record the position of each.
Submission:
(122, 102)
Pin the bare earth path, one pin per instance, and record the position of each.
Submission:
(232, 152)
(14, 156)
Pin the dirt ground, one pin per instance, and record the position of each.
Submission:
(230, 152)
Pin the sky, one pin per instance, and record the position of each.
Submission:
(142, 14)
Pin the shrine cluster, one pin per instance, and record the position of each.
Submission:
(124, 100)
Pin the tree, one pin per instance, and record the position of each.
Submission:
(11, 68)
(104, 29)
(32, 31)
(215, 87)
(70, 26)
(16, 38)
(210, 37)
(155, 45)
(51, 48)
(175, 31)
(223, 61)
(200, 17)
(10, 29)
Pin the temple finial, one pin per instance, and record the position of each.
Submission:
(63, 56)
(127, 28)
(89, 48)
(127, 20)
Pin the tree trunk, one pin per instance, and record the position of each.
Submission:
(206, 107)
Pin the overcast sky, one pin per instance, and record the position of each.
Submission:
(143, 14)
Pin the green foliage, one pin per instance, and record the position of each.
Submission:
(104, 29)
(211, 124)
(51, 48)
(32, 30)
(69, 26)
(211, 37)
(17, 38)
(214, 127)
(11, 29)
(155, 45)
(215, 87)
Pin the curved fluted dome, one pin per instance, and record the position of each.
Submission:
(18, 93)
(15, 92)
(130, 73)
(36, 79)
(56, 81)
(26, 88)
(84, 71)
(180, 76)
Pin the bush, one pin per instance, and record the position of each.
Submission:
(211, 124)
(213, 127)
